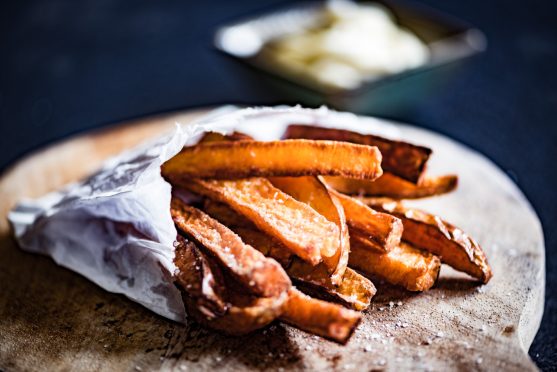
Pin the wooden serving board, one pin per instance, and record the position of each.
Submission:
(54, 319)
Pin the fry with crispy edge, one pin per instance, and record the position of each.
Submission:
(302, 230)
(379, 230)
(400, 158)
(212, 302)
(354, 291)
(325, 319)
(429, 232)
(404, 265)
(367, 242)
(312, 191)
(391, 186)
(260, 275)
(243, 159)
(209, 299)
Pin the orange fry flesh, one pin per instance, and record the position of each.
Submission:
(296, 225)
(391, 186)
(243, 159)
(429, 232)
(404, 265)
(261, 276)
(401, 158)
(325, 319)
(226, 215)
(380, 229)
(312, 191)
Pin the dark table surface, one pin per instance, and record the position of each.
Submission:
(69, 66)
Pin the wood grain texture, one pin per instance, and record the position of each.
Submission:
(51, 318)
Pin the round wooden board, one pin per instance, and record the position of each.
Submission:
(53, 319)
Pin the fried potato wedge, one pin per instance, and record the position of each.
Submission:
(353, 291)
(243, 159)
(296, 225)
(260, 275)
(212, 302)
(403, 159)
(404, 265)
(325, 319)
(251, 313)
(381, 230)
(312, 191)
(429, 232)
(391, 186)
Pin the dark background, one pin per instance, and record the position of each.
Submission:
(68, 66)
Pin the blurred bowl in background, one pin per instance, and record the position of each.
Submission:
(379, 58)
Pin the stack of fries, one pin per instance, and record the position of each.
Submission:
(320, 209)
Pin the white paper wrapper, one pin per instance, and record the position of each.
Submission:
(115, 227)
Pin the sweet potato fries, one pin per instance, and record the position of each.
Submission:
(295, 230)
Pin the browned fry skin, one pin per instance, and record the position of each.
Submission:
(319, 317)
(391, 186)
(312, 191)
(365, 241)
(429, 232)
(210, 301)
(193, 271)
(261, 276)
(381, 230)
(296, 225)
(400, 158)
(354, 290)
(405, 266)
(243, 159)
